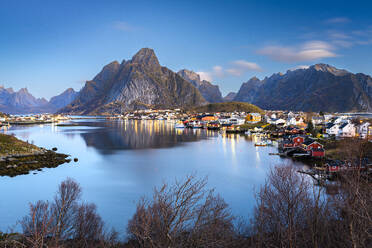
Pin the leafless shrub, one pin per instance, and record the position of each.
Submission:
(38, 225)
(88, 226)
(182, 215)
(353, 208)
(64, 208)
(289, 211)
(66, 222)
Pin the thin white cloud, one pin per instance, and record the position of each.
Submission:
(308, 51)
(299, 67)
(234, 72)
(218, 71)
(338, 20)
(247, 66)
(238, 68)
(342, 43)
(123, 26)
(205, 76)
(333, 34)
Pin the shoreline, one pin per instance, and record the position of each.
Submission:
(23, 164)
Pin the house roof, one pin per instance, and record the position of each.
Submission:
(343, 125)
(308, 142)
(330, 125)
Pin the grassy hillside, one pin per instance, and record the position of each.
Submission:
(228, 107)
(12, 145)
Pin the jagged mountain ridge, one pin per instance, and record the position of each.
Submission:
(23, 102)
(320, 87)
(134, 84)
(210, 92)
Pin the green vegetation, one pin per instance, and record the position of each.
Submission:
(10, 145)
(228, 107)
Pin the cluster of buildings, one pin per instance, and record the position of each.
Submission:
(302, 146)
(236, 118)
(30, 119)
(329, 125)
(345, 128)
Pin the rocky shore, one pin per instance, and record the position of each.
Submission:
(18, 157)
(20, 164)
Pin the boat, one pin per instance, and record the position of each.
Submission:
(179, 125)
(261, 143)
(234, 129)
(194, 124)
(213, 126)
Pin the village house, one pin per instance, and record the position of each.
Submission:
(317, 120)
(291, 115)
(291, 121)
(314, 148)
(347, 130)
(332, 129)
(253, 117)
(364, 129)
(276, 121)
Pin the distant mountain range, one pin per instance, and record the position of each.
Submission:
(22, 102)
(142, 82)
(138, 83)
(320, 87)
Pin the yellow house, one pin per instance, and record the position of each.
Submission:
(253, 117)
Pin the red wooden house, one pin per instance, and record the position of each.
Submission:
(298, 141)
(316, 149)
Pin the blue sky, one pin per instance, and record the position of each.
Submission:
(48, 46)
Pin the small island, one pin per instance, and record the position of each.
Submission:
(18, 157)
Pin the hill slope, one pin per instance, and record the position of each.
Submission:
(228, 107)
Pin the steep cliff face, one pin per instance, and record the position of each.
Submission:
(210, 92)
(319, 88)
(138, 83)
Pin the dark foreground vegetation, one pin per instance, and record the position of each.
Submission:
(290, 211)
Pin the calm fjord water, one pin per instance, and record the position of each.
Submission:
(120, 161)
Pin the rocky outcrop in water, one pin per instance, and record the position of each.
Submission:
(134, 84)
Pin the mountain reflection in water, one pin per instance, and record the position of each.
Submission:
(121, 135)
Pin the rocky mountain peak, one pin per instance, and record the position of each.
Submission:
(70, 90)
(329, 68)
(190, 76)
(146, 56)
(23, 91)
(253, 79)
